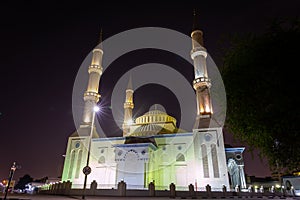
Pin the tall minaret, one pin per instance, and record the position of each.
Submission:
(128, 106)
(78, 143)
(201, 82)
(91, 96)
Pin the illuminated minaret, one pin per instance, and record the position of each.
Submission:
(91, 96)
(128, 106)
(201, 82)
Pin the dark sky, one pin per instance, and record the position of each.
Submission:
(44, 43)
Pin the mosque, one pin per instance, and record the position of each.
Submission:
(152, 148)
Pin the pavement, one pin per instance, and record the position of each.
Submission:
(51, 197)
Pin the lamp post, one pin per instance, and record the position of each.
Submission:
(87, 169)
(11, 174)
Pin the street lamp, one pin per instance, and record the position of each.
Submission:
(87, 169)
(11, 174)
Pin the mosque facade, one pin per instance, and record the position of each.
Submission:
(152, 148)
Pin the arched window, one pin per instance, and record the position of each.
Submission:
(78, 164)
(101, 160)
(214, 157)
(205, 161)
(180, 158)
(72, 160)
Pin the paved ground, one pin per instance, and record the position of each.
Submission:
(49, 197)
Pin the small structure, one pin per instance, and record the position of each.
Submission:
(291, 184)
(235, 164)
(32, 187)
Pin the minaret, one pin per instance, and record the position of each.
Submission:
(128, 106)
(201, 82)
(79, 142)
(91, 95)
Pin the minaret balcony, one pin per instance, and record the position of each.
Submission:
(93, 96)
(98, 49)
(201, 81)
(205, 114)
(198, 51)
(128, 105)
(95, 68)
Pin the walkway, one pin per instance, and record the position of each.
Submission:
(49, 197)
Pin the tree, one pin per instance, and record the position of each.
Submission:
(23, 181)
(261, 79)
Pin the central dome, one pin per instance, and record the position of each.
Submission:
(154, 122)
(149, 130)
(155, 116)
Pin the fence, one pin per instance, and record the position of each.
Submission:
(66, 188)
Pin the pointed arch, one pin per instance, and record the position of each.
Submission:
(180, 157)
(78, 167)
(72, 160)
(101, 160)
(205, 161)
(214, 157)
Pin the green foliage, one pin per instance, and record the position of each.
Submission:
(261, 78)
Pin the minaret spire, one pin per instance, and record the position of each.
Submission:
(129, 85)
(195, 20)
(128, 107)
(201, 82)
(91, 95)
(100, 38)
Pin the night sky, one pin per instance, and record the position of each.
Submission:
(43, 45)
